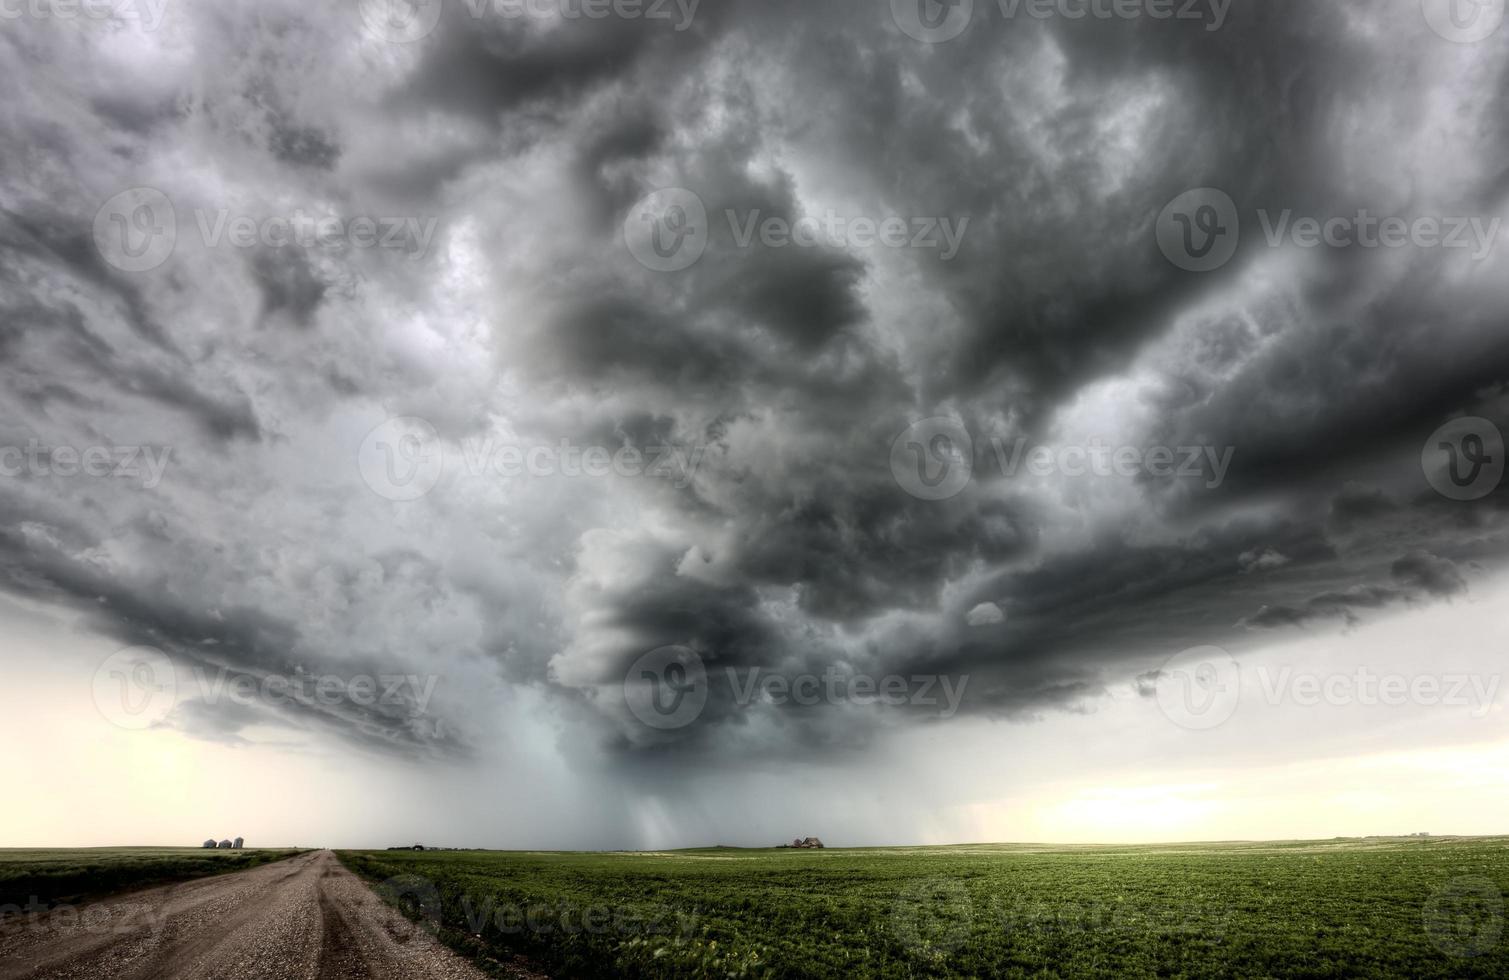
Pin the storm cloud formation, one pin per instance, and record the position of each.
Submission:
(778, 377)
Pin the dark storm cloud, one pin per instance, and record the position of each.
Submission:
(49, 246)
(303, 145)
(1078, 297)
(1357, 504)
(288, 284)
(28, 237)
(480, 67)
(792, 546)
(214, 647)
(1430, 574)
(1415, 576)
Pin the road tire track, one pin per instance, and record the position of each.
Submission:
(306, 918)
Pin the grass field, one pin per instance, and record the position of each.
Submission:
(1353, 908)
(40, 878)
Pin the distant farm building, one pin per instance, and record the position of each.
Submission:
(239, 843)
(809, 842)
(209, 844)
(226, 845)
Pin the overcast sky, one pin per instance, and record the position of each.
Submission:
(578, 424)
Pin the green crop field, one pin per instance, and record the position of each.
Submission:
(1346, 908)
(30, 879)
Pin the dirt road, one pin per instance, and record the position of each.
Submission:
(306, 918)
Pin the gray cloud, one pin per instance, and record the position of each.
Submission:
(792, 548)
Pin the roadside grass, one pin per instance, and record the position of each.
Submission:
(1375, 907)
(31, 880)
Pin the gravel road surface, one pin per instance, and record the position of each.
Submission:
(306, 918)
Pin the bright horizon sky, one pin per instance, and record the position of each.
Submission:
(1123, 774)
